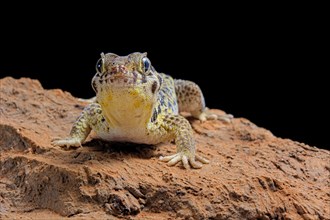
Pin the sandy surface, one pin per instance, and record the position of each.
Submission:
(252, 174)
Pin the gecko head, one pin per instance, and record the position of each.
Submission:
(131, 71)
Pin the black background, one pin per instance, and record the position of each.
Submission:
(264, 68)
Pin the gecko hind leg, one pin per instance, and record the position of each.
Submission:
(190, 99)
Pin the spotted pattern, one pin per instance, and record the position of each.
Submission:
(136, 103)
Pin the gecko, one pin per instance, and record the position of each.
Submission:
(135, 103)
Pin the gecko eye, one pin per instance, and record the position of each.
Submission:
(99, 66)
(146, 64)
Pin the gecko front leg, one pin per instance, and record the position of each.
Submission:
(180, 128)
(81, 128)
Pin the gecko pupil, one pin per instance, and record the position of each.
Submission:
(146, 64)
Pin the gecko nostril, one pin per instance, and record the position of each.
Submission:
(118, 69)
(122, 68)
(114, 70)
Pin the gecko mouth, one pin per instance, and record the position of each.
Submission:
(121, 80)
(120, 76)
(124, 78)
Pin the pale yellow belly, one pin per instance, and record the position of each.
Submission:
(128, 135)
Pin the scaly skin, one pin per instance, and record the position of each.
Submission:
(135, 103)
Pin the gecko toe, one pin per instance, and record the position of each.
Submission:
(174, 161)
(202, 159)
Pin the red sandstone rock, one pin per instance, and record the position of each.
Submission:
(252, 174)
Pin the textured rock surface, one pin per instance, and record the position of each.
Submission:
(252, 174)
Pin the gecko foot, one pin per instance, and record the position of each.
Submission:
(66, 142)
(186, 160)
(207, 115)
